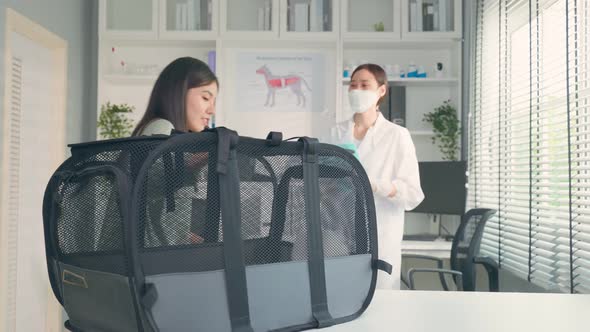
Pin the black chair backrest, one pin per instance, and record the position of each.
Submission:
(467, 242)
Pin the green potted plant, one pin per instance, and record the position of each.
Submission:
(113, 121)
(379, 27)
(447, 132)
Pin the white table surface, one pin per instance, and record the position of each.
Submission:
(438, 248)
(470, 311)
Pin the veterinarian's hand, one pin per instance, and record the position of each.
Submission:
(383, 187)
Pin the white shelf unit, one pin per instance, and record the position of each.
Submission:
(130, 19)
(259, 20)
(435, 12)
(359, 18)
(289, 10)
(234, 30)
(422, 94)
(133, 86)
(200, 22)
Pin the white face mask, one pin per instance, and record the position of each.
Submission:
(362, 100)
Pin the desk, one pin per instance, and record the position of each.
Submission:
(437, 248)
(471, 311)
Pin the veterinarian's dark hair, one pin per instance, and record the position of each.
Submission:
(168, 97)
(378, 73)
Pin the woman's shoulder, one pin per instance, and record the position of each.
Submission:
(157, 127)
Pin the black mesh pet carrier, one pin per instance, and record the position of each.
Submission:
(210, 232)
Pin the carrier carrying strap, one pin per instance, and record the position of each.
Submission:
(383, 266)
(235, 271)
(317, 275)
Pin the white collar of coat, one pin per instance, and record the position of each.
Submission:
(370, 135)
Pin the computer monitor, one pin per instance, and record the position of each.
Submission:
(443, 184)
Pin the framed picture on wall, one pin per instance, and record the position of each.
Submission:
(279, 82)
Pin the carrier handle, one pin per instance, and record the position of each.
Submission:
(227, 140)
(274, 138)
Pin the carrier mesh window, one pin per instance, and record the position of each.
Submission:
(179, 198)
(127, 155)
(179, 224)
(272, 203)
(179, 220)
(343, 208)
(90, 230)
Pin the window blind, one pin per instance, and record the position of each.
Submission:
(529, 154)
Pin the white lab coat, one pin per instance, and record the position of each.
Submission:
(387, 152)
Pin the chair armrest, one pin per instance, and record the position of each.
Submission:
(440, 272)
(439, 265)
(492, 268)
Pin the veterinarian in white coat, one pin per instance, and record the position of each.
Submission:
(388, 155)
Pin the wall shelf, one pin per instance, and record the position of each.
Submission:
(130, 79)
(368, 41)
(416, 81)
(421, 133)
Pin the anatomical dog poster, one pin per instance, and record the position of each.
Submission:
(279, 82)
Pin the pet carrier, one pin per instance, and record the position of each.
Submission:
(210, 232)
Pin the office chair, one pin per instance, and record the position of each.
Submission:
(464, 257)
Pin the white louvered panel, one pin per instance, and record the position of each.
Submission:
(521, 235)
(582, 273)
(517, 258)
(519, 268)
(580, 123)
(582, 258)
(581, 243)
(515, 268)
(518, 220)
(14, 144)
(503, 157)
(582, 280)
(520, 245)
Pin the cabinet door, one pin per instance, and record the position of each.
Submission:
(188, 19)
(431, 19)
(309, 19)
(129, 19)
(371, 19)
(256, 19)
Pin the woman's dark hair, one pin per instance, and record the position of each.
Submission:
(168, 97)
(378, 73)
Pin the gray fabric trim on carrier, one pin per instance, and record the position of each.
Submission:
(281, 301)
(97, 300)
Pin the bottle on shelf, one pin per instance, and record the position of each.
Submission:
(412, 70)
(438, 70)
(421, 72)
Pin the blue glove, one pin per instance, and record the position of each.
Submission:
(351, 148)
